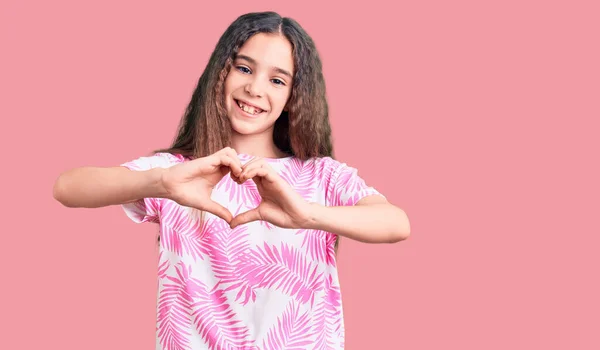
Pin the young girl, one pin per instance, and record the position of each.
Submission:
(249, 200)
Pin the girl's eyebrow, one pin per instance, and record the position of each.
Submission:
(253, 61)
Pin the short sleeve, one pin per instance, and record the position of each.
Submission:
(346, 187)
(147, 209)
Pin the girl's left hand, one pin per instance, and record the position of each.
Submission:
(281, 205)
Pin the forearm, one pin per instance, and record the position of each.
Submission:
(93, 187)
(373, 223)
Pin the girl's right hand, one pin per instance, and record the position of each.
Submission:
(191, 183)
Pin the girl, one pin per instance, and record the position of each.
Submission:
(249, 200)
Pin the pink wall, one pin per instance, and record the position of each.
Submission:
(481, 121)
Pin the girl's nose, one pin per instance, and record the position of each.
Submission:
(254, 88)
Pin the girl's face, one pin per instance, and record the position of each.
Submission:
(259, 84)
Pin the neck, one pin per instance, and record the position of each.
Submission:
(260, 145)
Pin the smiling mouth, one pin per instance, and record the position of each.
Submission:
(248, 109)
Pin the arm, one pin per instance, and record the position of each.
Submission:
(93, 187)
(188, 183)
(372, 220)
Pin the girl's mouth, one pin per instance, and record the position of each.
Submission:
(253, 111)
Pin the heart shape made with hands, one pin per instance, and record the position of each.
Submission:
(280, 204)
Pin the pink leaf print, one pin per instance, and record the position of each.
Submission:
(214, 319)
(238, 193)
(320, 245)
(174, 311)
(348, 188)
(331, 241)
(228, 253)
(301, 176)
(163, 265)
(324, 170)
(181, 234)
(320, 325)
(291, 170)
(247, 192)
(267, 224)
(287, 270)
(329, 324)
(333, 311)
(292, 331)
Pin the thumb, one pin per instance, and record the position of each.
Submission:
(218, 210)
(246, 217)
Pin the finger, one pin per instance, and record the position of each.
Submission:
(235, 178)
(233, 155)
(252, 162)
(235, 167)
(244, 218)
(262, 172)
(249, 167)
(226, 150)
(218, 210)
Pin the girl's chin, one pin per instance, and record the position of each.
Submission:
(245, 127)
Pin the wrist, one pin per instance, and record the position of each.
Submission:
(156, 183)
(317, 214)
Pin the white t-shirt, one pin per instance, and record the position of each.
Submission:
(257, 286)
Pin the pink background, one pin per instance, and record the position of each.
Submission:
(479, 119)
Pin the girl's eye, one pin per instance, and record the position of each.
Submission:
(246, 70)
(243, 69)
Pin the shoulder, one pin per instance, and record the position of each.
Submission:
(330, 168)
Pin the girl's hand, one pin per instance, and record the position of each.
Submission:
(281, 205)
(191, 183)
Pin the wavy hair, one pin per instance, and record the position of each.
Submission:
(302, 131)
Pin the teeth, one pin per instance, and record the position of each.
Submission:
(248, 109)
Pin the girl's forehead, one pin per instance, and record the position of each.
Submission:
(269, 50)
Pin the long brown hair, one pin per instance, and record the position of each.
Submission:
(302, 131)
